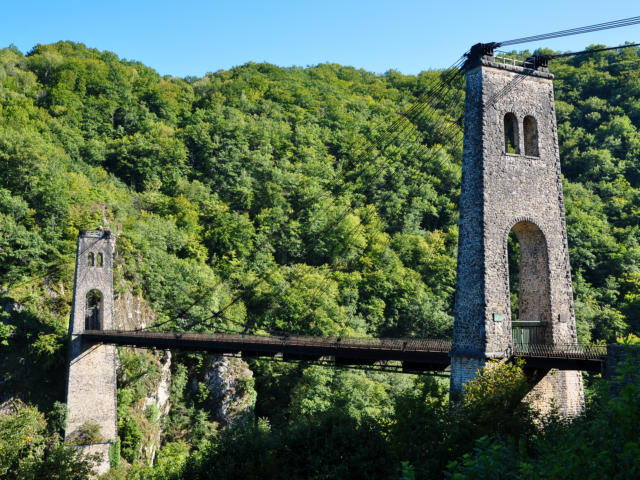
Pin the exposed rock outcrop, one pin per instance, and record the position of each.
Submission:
(157, 399)
(160, 395)
(133, 312)
(230, 383)
(9, 405)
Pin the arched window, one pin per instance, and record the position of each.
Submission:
(511, 143)
(90, 259)
(93, 311)
(530, 127)
(100, 260)
(529, 284)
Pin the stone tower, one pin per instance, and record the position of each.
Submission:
(511, 182)
(91, 387)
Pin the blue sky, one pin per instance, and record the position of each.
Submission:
(192, 37)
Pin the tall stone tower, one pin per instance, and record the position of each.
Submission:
(91, 384)
(511, 182)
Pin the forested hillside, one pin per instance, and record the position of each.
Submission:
(258, 199)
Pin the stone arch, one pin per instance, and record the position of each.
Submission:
(530, 130)
(90, 259)
(94, 309)
(511, 136)
(99, 260)
(533, 324)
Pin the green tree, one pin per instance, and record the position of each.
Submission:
(28, 451)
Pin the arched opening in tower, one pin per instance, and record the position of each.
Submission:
(529, 284)
(511, 140)
(530, 127)
(93, 311)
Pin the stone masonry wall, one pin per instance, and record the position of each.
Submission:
(91, 384)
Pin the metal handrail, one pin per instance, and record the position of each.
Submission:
(341, 343)
(567, 350)
(514, 61)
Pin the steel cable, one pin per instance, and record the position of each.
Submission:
(625, 22)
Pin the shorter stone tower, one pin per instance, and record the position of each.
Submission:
(511, 182)
(91, 383)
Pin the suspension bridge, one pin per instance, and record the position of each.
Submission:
(392, 354)
(510, 138)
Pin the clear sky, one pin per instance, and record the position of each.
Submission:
(192, 37)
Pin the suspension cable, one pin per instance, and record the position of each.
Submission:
(625, 22)
(593, 50)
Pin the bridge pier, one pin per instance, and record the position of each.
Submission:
(464, 368)
(511, 184)
(558, 389)
(91, 381)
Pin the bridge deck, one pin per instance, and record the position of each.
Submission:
(415, 355)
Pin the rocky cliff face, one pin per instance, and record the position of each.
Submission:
(160, 395)
(156, 402)
(133, 312)
(230, 383)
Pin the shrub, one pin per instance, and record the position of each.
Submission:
(90, 432)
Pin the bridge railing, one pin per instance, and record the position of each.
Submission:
(502, 58)
(590, 352)
(341, 343)
(357, 345)
(399, 344)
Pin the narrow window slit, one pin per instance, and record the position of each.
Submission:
(530, 127)
(511, 141)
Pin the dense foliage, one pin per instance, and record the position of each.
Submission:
(264, 194)
(602, 443)
(30, 450)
